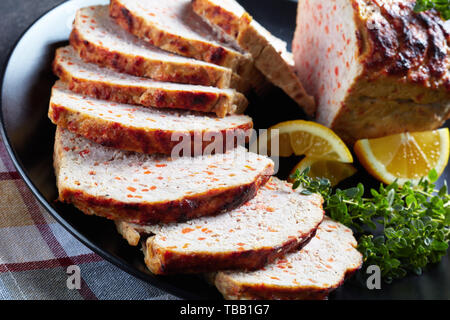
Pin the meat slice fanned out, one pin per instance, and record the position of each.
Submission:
(319, 267)
(146, 130)
(144, 189)
(375, 67)
(102, 83)
(276, 221)
(173, 26)
(97, 39)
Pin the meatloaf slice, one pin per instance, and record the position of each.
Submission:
(144, 189)
(269, 53)
(102, 83)
(375, 67)
(319, 267)
(99, 40)
(145, 130)
(173, 26)
(276, 221)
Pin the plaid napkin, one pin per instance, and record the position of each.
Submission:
(35, 253)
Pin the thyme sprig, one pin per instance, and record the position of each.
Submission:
(400, 229)
(442, 6)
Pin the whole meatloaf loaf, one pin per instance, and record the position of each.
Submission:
(146, 130)
(98, 39)
(102, 83)
(276, 221)
(375, 67)
(144, 189)
(311, 273)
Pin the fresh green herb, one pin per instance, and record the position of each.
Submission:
(442, 6)
(399, 229)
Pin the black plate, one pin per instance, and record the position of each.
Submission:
(28, 135)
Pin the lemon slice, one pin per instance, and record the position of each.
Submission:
(307, 138)
(407, 156)
(334, 171)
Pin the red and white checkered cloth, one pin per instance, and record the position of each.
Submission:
(35, 252)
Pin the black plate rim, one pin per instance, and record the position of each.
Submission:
(120, 263)
(174, 290)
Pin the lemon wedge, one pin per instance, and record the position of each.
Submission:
(334, 171)
(306, 138)
(406, 156)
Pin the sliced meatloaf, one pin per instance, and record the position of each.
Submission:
(97, 39)
(144, 189)
(375, 67)
(102, 83)
(269, 53)
(319, 267)
(173, 26)
(146, 130)
(276, 221)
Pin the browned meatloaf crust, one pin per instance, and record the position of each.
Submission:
(276, 221)
(382, 69)
(311, 273)
(168, 262)
(236, 291)
(180, 210)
